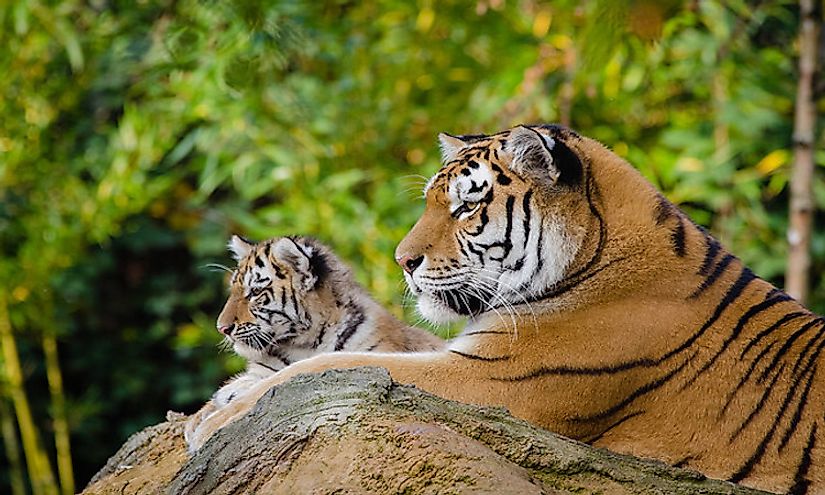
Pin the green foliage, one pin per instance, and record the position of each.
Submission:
(135, 137)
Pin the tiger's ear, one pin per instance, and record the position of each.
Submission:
(297, 256)
(239, 247)
(534, 152)
(450, 146)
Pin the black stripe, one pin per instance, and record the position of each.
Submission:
(664, 209)
(801, 483)
(518, 265)
(709, 281)
(473, 249)
(743, 320)
(266, 366)
(797, 415)
(745, 278)
(276, 353)
(785, 347)
(539, 250)
(505, 244)
(525, 206)
(572, 284)
(809, 346)
(644, 389)
(678, 237)
(785, 319)
(710, 254)
(354, 320)
(480, 358)
(613, 426)
(461, 248)
(745, 377)
(754, 459)
(501, 177)
(484, 219)
(760, 404)
(267, 294)
(321, 333)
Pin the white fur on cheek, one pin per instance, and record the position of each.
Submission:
(557, 250)
(246, 352)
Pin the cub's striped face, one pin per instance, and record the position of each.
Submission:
(272, 296)
(502, 224)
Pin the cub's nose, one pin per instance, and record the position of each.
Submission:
(226, 329)
(409, 263)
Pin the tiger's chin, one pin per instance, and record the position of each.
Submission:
(447, 307)
(247, 352)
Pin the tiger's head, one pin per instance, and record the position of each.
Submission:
(279, 295)
(505, 218)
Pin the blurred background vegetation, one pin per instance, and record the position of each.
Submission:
(137, 136)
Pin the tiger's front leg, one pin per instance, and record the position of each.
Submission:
(439, 373)
(231, 390)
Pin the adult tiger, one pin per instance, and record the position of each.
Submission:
(634, 329)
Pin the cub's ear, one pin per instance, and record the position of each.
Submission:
(298, 256)
(239, 247)
(450, 146)
(533, 152)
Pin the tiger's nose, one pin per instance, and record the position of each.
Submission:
(226, 329)
(409, 263)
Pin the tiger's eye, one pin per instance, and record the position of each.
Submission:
(470, 206)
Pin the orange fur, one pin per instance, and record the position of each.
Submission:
(653, 342)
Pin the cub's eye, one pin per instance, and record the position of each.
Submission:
(255, 291)
(470, 206)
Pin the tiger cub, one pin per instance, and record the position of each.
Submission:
(292, 298)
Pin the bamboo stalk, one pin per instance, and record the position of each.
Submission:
(797, 277)
(65, 470)
(41, 475)
(12, 447)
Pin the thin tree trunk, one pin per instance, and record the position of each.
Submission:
(801, 202)
(41, 475)
(65, 471)
(12, 447)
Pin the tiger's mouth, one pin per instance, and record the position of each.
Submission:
(462, 302)
(260, 341)
(448, 301)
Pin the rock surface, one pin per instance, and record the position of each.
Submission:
(357, 431)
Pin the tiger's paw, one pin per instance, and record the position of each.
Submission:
(193, 424)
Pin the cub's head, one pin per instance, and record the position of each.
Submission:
(278, 295)
(504, 219)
